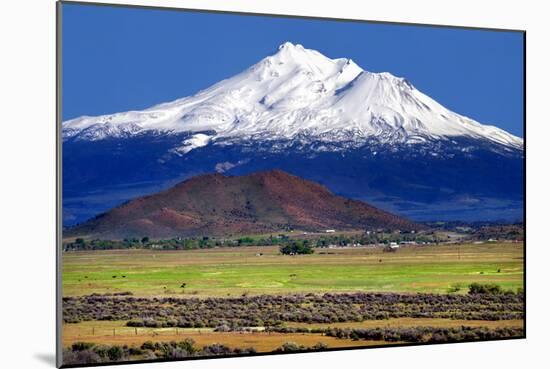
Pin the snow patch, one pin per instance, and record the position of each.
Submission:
(198, 140)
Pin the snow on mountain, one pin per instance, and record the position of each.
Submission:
(196, 141)
(297, 93)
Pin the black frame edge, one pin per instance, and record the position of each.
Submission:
(258, 354)
(58, 187)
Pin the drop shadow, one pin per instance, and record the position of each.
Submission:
(46, 358)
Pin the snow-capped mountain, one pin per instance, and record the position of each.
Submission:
(297, 93)
(369, 136)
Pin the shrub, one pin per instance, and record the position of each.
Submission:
(290, 347)
(102, 351)
(136, 351)
(215, 350)
(135, 323)
(80, 357)
(151, 323)
(476, 288)
(148, 345)
(269, 311)
(319, 346)
(188, 345)
(81, 346)
(176, 353)
(425, 334)
(245, 351)
(115, 353)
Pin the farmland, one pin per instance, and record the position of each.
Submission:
(262, 270)
(116, 332)
(133, 304)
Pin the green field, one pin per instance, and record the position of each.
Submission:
(237, 271)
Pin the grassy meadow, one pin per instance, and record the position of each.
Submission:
(262, 270)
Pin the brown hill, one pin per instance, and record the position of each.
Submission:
(215, 204)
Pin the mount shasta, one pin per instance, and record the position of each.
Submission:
(368, 136)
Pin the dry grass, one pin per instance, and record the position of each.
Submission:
(116, 332)
(261, 341)
(415, 322)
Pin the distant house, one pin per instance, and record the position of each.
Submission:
(330, 231)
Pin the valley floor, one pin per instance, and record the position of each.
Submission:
(233, 271)
(125, 305)
(117, 333)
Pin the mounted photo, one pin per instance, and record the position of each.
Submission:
(235, 184)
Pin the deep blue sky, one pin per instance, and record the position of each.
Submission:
(118, 59)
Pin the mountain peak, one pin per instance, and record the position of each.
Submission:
(289, 55)
(290, 46)
(297, 92)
